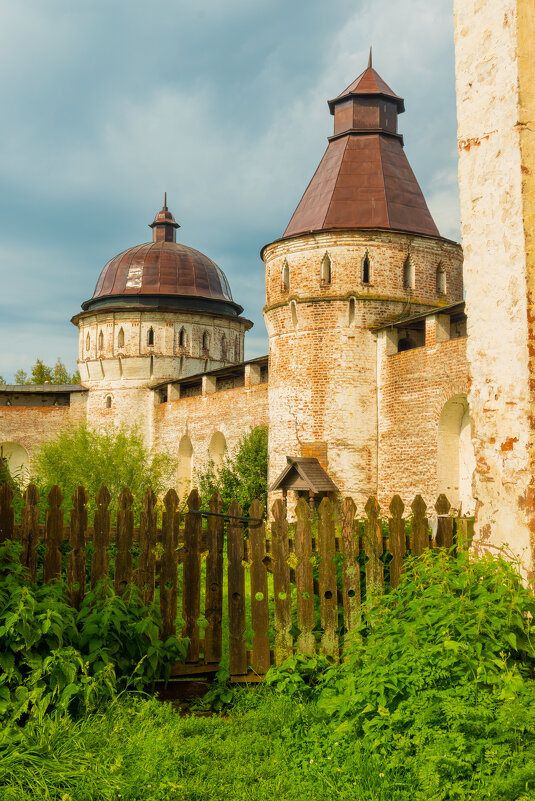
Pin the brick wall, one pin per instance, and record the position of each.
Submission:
(413, 388)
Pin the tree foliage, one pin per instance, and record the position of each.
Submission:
(242, 475)
(114, 457)
(44, 374)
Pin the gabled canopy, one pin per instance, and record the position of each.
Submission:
(304, 473)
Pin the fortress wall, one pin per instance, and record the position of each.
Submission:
(30, 426)
(232, 412)
(495, 75)
(413, 387)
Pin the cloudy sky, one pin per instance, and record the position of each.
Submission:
(222, 103)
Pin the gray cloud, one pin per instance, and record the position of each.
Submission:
(222, 104)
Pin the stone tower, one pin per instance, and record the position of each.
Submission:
(360, 249)
(159, 311)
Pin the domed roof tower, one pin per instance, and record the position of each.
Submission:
(163, 274)
(160, 311)
(360, 249)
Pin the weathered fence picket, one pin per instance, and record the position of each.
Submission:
(236, 593)
(29, 533)
(145, 576)
(349, 541)
(169, 565)
(327, 580)
(7, 514)
(397, 539)
(100, 561)
(304, 579)
(53, 536)
(124, 539)
(213, 605)
(77, 538)
(260, 658)
(191, 580)
(280, 549)
(299, 577)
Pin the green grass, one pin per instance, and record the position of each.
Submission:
(140, 749)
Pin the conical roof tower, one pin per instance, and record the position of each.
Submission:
(364, 179)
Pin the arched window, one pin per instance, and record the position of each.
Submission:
(217, 448)
(150, 336)
(455, 457)
(351, 314)
(366, 269)
(441, 279)
(325, 275)
(408, 274)
(185, 465)
(120, 338)
(100, 341)
(87, 342)
(205, 341)
(285, 276)
(182, 338)
(18, 460)
(223, 347)
(108, 402)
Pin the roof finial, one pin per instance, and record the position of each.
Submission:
(370, 59)
(165, 200)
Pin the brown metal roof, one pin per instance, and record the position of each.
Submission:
(304, 472)
(364, 179)
(369, 82)
(163, 268)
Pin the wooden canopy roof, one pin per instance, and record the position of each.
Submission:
(304, 473)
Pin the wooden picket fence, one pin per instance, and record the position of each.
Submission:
(292, 586)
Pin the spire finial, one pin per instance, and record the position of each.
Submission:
(165, 200)
(370, 59)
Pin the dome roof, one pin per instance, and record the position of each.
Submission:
(163, 273)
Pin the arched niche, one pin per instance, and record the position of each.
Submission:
(217, 448)
(185, 465)
(456, 459)
(18, 460)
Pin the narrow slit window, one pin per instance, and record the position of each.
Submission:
(100, 341)
(326, 269)
(108, 402)
(351, 314)
(182, 338)
(285, 278)
(223, 347)
(120, 338)
(87, 342)
(237, 349)
(205, 341)
(408, 274)
(150, 336)
(366, 269)
(293, 308)
(441, 280)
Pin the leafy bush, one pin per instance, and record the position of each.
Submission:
(298, 676)
(242, 475)
(53, 657)
(113, 457)
(438, 679)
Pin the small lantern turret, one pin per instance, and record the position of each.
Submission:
(164, 225)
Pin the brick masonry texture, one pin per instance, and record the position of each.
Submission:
(414, 387)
